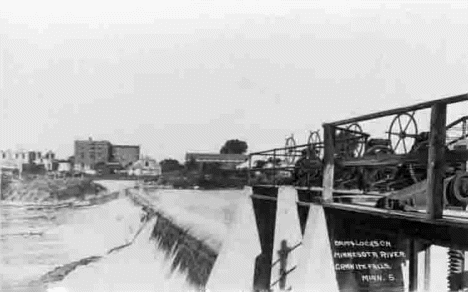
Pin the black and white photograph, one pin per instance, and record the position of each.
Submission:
(234, 146)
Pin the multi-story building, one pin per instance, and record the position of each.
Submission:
(21, 157)
(89, 152)
(45, 158)
(125, 155)
(13, 159)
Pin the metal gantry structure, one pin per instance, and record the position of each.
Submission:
(370, 183)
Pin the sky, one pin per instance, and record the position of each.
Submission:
(188, 75)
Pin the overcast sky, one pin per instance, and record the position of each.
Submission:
(189, 75)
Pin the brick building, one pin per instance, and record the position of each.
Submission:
(89, 152)
(125, 154)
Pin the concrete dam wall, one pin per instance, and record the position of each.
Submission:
(191, 240)
(169, 245)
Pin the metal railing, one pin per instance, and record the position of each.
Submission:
(277, 166)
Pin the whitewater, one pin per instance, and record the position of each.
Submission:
(110, 247)
(105, 247)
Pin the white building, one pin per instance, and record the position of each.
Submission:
(145, 166)
(64, 166)
(45, 158)
(19, 157)
(11, 158)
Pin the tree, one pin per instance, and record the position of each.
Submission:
(191, 164)
(260, 163)
(169, 165)
(234, 146)
(212, 168)
(277, 161)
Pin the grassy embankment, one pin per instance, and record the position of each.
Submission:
(44, 189)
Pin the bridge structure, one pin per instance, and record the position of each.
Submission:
(408, 191)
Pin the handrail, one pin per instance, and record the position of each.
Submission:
(285, 148)
(462, 119)
(424, 105)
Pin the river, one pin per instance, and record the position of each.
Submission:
(36, 240)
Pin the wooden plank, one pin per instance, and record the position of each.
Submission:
(329, 163)
(424, 105)
(396, 159)
(436, 162)
(445, 232)
(270, 151)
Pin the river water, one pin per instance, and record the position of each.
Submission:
(36, 240)
(27, 249)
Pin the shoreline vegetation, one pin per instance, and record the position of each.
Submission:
(219, 179)
(56, 192)
(46, 189)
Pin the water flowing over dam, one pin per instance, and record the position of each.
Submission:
(127, 244)
(194, 240)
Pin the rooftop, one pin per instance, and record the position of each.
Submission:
(126, 146)
(216, 157)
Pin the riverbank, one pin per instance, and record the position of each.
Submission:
(38, 237)
(44, 189)
(216, 179)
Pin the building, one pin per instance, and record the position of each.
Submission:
(89, 152)
(45, 158)
(64, 166)
(108, 168)
(9, 159)
(125, 154)
(27, 157)
(227, 161)
(145, 166)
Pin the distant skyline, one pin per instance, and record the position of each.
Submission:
(187, 76)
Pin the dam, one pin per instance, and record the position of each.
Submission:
(351, 213)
